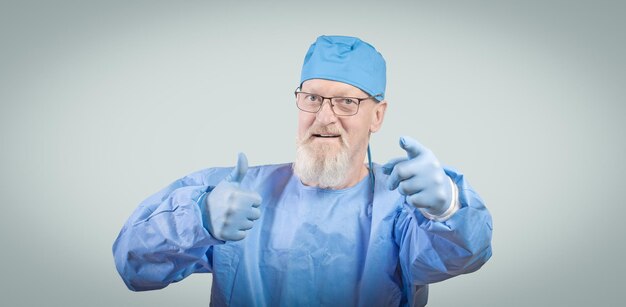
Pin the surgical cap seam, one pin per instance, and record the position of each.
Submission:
(340, 79)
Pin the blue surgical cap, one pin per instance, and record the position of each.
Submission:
(346, 59)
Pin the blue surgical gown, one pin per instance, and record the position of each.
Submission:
(311, 246)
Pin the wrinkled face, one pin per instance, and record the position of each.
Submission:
(331, 146)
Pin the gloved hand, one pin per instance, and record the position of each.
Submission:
(420, 178)
(231, 210)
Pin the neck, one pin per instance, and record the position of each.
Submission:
(357, 174)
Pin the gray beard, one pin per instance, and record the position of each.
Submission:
(321, 164)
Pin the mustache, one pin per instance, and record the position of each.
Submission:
(308, 137)
(325, 130)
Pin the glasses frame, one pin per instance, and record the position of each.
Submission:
(330, 100)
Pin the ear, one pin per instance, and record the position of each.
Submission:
(378, 115)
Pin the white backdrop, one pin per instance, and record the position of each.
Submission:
(104, 103)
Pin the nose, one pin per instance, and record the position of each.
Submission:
(326, 115)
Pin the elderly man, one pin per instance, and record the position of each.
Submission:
(327, 230)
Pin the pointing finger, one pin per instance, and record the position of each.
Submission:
(237, 174)
(412, 147)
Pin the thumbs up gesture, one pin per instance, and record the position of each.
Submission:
(420, 177)
(232, 209)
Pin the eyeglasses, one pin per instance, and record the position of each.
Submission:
(341, 106)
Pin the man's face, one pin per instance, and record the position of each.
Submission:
(332, 145)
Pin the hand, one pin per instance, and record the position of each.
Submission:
(231, 209)
(420, 178)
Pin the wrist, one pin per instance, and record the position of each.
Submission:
(453, 206)
(203, 204)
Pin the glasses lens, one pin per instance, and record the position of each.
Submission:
(345, 106)
(308, 102)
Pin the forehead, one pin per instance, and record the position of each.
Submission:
(332, 88)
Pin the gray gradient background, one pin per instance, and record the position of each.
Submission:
(104, 103)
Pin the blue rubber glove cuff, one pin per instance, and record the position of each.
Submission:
(452, 208)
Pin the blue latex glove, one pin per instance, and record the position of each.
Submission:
(231, 210)
(420, 178)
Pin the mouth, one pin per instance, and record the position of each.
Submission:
(326, 136)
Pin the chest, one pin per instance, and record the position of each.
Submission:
(337, 223)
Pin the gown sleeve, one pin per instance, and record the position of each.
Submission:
(165, 239)
(432, 251)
